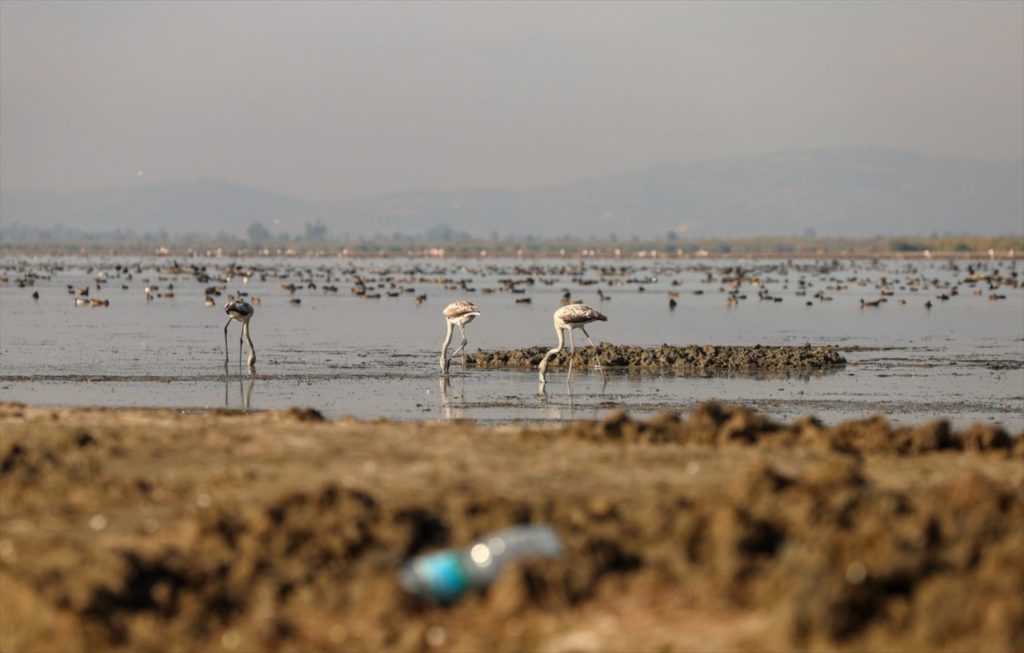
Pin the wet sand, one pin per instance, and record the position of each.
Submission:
(163, 530)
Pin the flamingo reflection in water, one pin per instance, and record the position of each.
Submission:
(245, 395)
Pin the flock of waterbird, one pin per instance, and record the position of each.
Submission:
(816, 281)
(574, 314)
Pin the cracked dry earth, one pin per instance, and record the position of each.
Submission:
(160, 530)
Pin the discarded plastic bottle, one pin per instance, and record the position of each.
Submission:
(446, 575)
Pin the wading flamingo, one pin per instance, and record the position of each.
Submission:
(572, 316)
(240, 311)
(456, 314)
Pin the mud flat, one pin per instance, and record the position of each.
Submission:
(159, 530)
(692, 358)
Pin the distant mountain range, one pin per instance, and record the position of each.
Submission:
(830, 193)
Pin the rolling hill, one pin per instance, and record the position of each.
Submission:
(838, 192)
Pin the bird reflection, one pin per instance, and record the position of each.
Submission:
(542, 385)
(244, 389)
(450, 412)
(553, 408)
(562, 410)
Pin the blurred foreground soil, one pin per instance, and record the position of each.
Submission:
(157, 530)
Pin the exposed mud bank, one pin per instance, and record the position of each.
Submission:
(703, 359)
(715, 425)
(156, 530)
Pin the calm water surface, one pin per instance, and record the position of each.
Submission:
(962, 359)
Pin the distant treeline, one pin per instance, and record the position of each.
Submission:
(465, 246)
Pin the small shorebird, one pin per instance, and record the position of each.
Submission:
(240, 311)
(456, 314)
(573, 316)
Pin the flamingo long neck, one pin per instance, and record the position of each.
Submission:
(447, 341)
(554, 350)
(248, 339)
(561, 341)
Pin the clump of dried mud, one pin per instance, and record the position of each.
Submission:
(713, 424)
(151, 530)
(706, 359)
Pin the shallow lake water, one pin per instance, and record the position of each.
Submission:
(340, 353)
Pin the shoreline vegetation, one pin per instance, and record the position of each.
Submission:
(670, 247)
(158, 529)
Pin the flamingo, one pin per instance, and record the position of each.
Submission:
(573, 316)
(240, 311)
(458, 314)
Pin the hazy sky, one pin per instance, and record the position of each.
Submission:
(331, 100)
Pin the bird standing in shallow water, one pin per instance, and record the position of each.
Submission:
(458, 314)
(240, 311)
(573, 316)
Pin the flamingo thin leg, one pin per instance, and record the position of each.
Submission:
(462, 345)
(572, 355)
(597, 353)
(226, 342)
(252, 350)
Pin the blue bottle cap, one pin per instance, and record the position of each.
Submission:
(438, 576)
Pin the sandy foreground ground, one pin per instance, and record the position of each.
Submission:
(161, 530)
